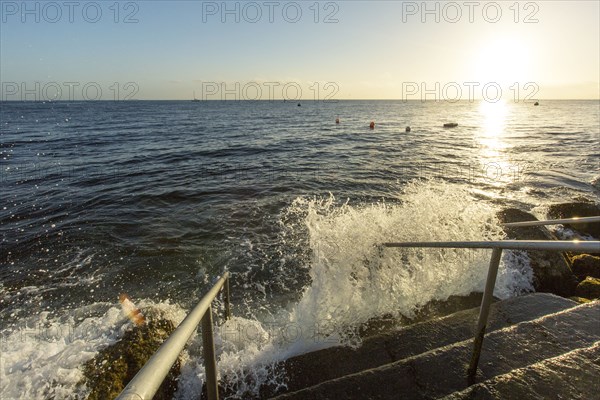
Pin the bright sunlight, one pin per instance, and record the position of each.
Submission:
(503, 60)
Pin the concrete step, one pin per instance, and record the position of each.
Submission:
(441, 371)
(310, 369)
(574, 375)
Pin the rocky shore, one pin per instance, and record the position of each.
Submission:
(576, 276)
(107, 374)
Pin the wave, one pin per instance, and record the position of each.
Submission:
(42, 355)
(350, 280)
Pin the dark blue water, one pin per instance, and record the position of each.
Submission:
(156, 198)
(150, 185)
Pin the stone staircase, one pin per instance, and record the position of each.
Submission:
(573, 375)
(534, 344)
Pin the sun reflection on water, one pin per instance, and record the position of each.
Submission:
(493, 124)
(492, 143)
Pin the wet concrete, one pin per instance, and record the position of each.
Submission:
(316, 367)
(442, 371)
(574, 375)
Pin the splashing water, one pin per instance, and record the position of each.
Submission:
(42, 357)
(353, 279)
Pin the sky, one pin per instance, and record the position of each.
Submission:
(240, 50)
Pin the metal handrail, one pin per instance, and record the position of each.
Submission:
(498, 246)
(146, 382)
(572, 221)
(556, 245)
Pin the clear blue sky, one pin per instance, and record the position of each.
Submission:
(376, 49)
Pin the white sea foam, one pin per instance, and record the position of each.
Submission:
(352, 279)
(42, 356)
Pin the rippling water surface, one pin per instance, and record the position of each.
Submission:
(157, 198)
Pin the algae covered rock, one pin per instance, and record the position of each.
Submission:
(585, 265)
(589, 288)
(107, 374)
(580, 300)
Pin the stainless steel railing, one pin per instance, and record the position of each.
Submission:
(572, 221)
(497, 247)
(146, 382)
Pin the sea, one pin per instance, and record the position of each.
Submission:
(157, 199)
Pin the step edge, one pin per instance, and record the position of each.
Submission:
(595, 304)
(520, 369)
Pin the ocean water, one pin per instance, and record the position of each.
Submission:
(156, 199)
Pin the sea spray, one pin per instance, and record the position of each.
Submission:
(345, 278)
(352, 279)
(43, 356)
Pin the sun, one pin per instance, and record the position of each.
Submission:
(503, 60)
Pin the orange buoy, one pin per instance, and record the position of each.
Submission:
(372, 125)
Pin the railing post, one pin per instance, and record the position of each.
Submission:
(208, 351)
(227, 306)
(484, 312)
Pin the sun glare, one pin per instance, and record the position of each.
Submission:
(503, 60)
(493, 122)
(492, 143)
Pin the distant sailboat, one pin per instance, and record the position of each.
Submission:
(195, 99)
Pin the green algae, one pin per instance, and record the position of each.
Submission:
(107, 374)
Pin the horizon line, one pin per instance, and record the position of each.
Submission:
(296, 100)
